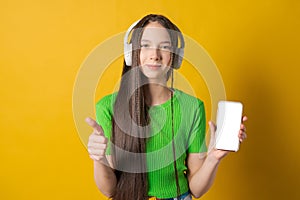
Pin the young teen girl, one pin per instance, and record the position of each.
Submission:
(149, 139)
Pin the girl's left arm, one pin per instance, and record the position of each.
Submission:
(202, 169)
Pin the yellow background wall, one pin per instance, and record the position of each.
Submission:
(255, 45)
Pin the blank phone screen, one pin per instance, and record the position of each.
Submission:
(229, 119)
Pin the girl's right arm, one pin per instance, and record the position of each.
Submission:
(104, 175)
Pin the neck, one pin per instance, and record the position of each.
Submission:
(157, 94)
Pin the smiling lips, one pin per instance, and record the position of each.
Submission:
(154, 66)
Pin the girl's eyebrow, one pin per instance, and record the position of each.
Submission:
(166, 42)
(145, 40)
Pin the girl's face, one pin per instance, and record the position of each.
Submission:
(155, 53)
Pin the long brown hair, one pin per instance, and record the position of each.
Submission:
(131, 119)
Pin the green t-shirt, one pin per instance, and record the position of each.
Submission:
(189, 137)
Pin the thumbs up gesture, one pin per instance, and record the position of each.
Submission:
(97, 143)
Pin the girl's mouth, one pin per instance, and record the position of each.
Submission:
(154, 67)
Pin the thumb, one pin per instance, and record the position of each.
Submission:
(212, 141)
(98, 129)
(212, 127)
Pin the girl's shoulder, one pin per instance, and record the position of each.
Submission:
(186, 98)
(107, 101)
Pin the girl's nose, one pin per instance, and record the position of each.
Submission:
(155, 54)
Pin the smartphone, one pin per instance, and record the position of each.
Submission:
(229, 119)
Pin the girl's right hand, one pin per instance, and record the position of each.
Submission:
(219, 154)
(97, 141)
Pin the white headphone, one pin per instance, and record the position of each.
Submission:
(128, 48)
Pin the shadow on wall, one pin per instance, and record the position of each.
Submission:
(269, 169)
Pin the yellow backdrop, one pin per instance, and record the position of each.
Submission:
(255, 45)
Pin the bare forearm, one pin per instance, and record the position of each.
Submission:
(202, 180)
(105, 178)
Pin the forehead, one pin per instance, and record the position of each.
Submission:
(155, 32)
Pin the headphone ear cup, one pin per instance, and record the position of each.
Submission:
(128, 54)
(179, 55)
(128, 46)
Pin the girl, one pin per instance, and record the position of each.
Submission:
(149, 139)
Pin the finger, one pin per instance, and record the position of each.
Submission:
(96, 158)
(243, 127)
(97, 152)
(242, 139)
(242, 136)
(93, 146)
(244, 118)
(98, 139)
(242, 133)
(212, 128)
(94, 125)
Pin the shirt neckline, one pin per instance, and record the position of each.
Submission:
(168, 102)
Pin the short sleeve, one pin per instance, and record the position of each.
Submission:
(104, 112)
(197, 142)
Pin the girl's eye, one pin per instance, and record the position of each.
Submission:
(162, 47)
(145, 45)
(165, 47)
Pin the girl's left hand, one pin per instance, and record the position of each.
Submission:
(217, 153)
